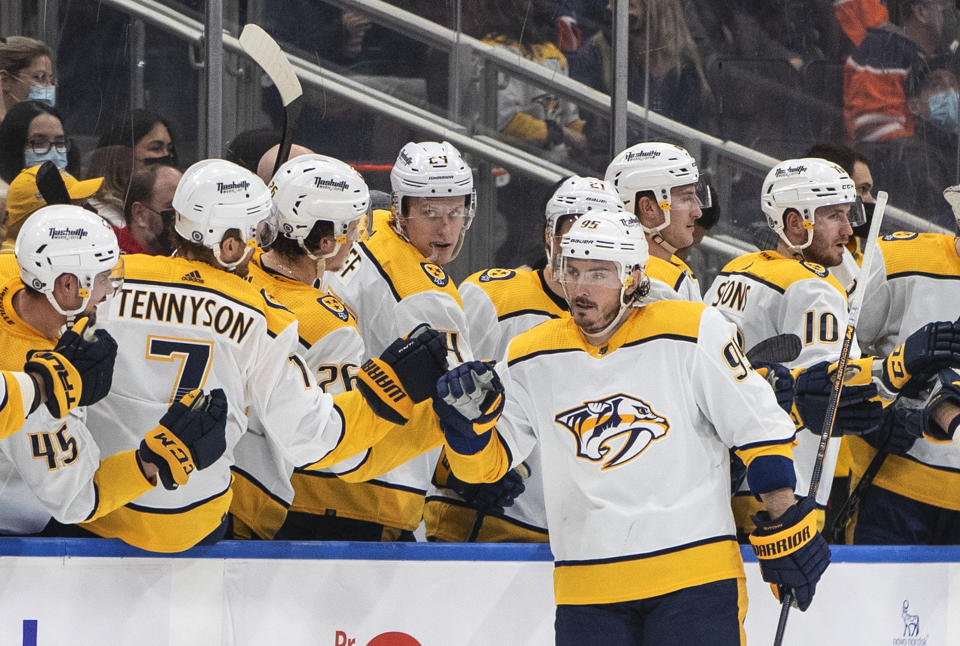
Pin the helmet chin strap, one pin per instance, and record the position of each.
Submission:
(622, 314)
(658, 239)
(655, 235)
(230, 266)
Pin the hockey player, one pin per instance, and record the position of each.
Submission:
(660, 184)
(69, 263)
(500, 304)
(915, 497)
(634, 409)
(811, 204)
(191, 320)
(319, 202)
(395, 280)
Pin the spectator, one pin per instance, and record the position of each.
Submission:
(874, 95)
(855, 16)
(147, 133)
(148, 211)
(26, 73)
(31, 133)
(115, 165)
(24, 198)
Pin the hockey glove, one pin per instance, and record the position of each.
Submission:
(934, 346)
(780, 379)
(191, 435)
(489, 497)
(405, 374)
(901, 427)
(792, 553)
(946, 389)
(78, 371)
(859, 409)
(468, 404)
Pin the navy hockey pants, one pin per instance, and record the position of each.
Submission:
(886, 518)
(705, 615)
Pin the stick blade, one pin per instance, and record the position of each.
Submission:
(782, 348)
(265, 51)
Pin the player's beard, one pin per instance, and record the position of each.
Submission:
(595, 319)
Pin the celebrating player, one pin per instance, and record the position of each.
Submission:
(634, 409)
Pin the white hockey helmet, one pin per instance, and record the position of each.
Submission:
(578, 195)
(655, 167)
(214, 196)
(614, 236)
(317, 188)
(804, 185)
(431, 169)
(67, 239)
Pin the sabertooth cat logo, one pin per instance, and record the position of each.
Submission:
(613, 430)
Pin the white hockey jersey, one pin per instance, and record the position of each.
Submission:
(500, 304)
(766, 294)
(183, 324)
(391, 288)
(51, 467)
(914, 280)
(635, 439)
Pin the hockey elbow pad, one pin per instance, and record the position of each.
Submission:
(405, 374)
(792, 553)
(191, 435)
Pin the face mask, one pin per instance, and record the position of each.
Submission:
(166, 160)
(43, 93)
(31, 159)
(944, 109)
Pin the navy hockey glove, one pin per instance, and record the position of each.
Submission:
(489, 497)
(934, 346)
(780, 379)
(191, 435)
(859, 411)
(405, 374)
(468, 404)
(901, 427)
(792, 553)
(78, 371)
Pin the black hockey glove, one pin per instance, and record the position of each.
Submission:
(78, 371)
(934, 346)
(792, 553)
(405, 374)
(901, 427)
(191, 435)
(489, 497)
(780, 379)
(468, 404)
(859, 411)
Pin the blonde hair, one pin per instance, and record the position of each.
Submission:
(17, 52)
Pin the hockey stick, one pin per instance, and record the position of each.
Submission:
(266, 53)
(782, 348)
(831, 415)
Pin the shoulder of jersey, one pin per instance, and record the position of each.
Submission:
(512, 290)
(777, 271)
(920, 253)
(317, 313)
(661, 319)
(665, 271)
(404, 267)
(8, 265)
(188, 274)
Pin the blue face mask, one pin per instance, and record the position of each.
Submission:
(44, 93)
(31, 158)
(944, 110)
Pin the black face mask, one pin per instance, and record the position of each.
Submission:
(864, 229)
(165, 239)
(166, 160)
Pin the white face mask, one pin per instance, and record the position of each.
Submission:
(58, 157)
(43, 93)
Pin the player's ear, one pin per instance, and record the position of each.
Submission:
(634, 282)
(328, 244)
(648, 211)
(793, 223)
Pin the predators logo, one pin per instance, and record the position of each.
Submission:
(619, 419)
(496, 274)
(435, 273)
(333, 304)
